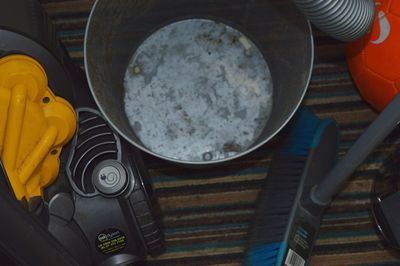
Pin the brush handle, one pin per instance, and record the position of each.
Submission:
(382, 126)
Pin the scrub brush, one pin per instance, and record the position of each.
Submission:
(286, 222)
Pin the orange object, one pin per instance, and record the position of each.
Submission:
(34, 126)
(374, 60)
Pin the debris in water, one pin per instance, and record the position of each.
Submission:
(136, 70)
(207, 156)
(186, 117)
(232, 147)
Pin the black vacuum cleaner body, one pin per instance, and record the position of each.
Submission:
(100, 207)
(109, 211)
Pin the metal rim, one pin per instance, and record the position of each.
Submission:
(195, 163)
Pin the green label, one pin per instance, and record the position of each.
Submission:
(110, 241)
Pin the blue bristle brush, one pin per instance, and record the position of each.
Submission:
(301, 183)
(283, 229)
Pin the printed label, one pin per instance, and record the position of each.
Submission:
(300, 244)
(294, 259)
(110, 241)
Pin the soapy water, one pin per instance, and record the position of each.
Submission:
(197, 90)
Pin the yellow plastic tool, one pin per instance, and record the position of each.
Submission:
(34, 126)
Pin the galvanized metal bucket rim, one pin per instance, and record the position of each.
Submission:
(195, 163)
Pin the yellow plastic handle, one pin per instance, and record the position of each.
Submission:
(34, 126)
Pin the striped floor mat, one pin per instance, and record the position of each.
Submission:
(207, 212)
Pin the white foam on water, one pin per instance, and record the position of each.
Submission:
(198, 90)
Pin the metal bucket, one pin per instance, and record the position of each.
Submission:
(198, 82)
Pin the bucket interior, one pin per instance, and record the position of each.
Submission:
(277, 30)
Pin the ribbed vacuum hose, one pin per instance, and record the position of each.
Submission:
(345, 20)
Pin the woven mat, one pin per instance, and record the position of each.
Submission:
(207, 212)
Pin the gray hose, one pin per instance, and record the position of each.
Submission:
(382, 126)
(345, 20)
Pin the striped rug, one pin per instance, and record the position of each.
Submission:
(207, 212)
